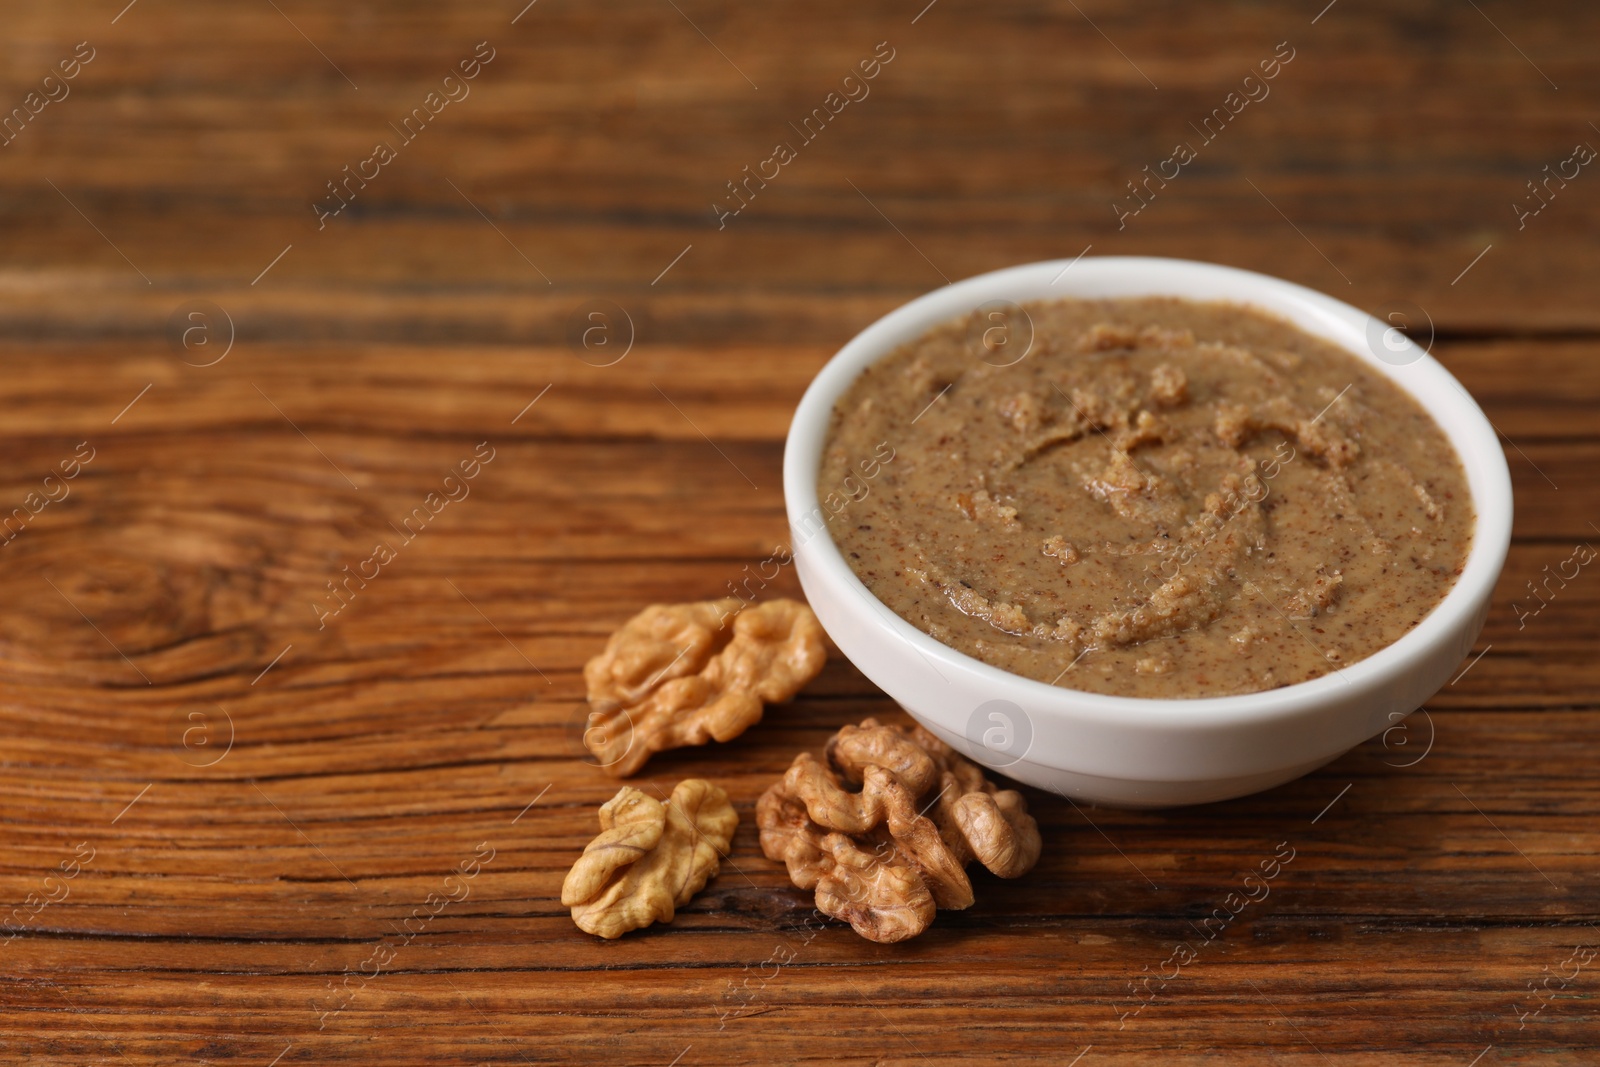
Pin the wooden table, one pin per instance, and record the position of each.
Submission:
(222, 800)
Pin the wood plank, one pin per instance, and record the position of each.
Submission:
(235, 891)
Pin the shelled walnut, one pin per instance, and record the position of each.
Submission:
(650, 857)
(854, 829)
(685, 674)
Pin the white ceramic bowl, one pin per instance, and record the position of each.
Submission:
(1128, 751)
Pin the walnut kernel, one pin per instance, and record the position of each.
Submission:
(650, 857)
(884, 829)
(686, 674)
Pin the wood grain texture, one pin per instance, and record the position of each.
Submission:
(254, 799)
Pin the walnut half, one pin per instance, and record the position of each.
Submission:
(650, 857)
(685, 674)
(858, 828)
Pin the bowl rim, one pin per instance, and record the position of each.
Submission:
(1423, 378)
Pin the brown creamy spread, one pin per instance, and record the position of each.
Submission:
(1162, 498)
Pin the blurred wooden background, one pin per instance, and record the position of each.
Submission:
(171, 897)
